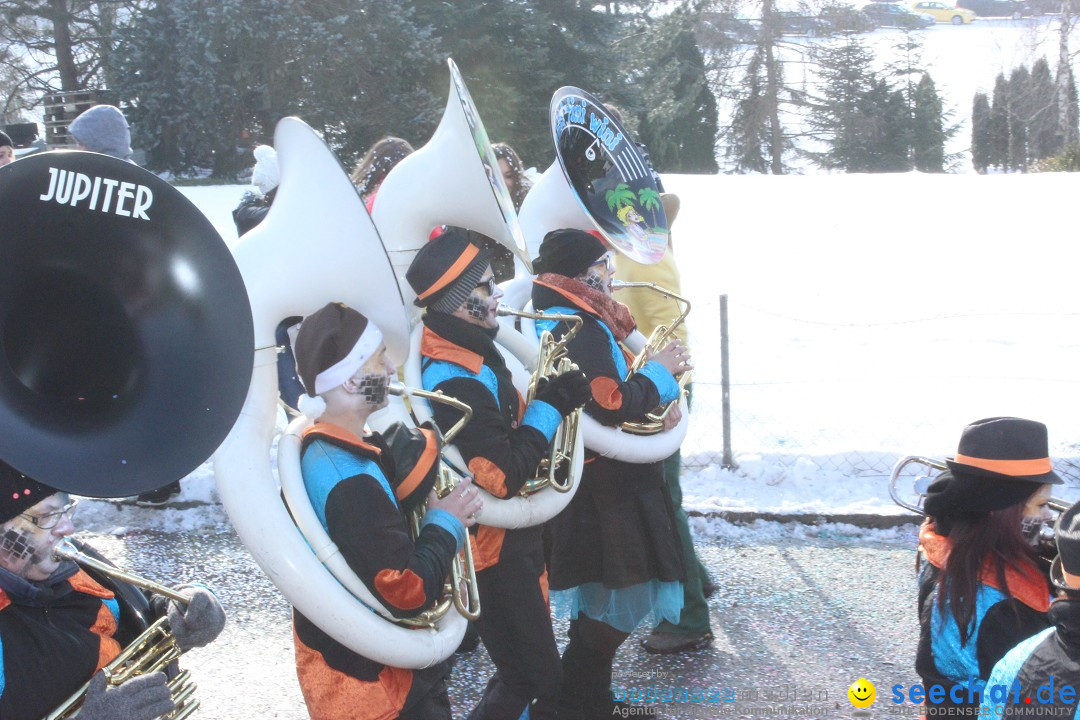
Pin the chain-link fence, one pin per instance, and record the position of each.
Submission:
(853, 398)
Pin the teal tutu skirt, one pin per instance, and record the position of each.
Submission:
(623, 608)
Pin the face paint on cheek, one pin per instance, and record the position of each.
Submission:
(1031, 526)
(594, 280)
(17, 546)
(476, 307)
(374, 388)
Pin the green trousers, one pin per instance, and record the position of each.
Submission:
(695, 613)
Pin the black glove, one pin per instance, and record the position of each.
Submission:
(566, 392)
(141, 698)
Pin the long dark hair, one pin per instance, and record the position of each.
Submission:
(974, 538)
(377, 163)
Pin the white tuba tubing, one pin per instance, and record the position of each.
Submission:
(445, 182)
(551, 204)
(283, 554)
(605, 440)
(509, 513)
(286, 276)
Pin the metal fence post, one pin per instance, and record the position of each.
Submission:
(725, 386)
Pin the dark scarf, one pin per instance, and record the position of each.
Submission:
(481, 341)
(38, 593)
(613, 313)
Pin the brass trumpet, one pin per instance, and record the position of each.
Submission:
(552, 361)
(152, 651)
(654, 421)
(462, 591)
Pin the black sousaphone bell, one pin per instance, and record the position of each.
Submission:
(125, 328)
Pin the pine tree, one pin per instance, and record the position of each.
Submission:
(748, 138)
(1042, 113)
(928, 128)
(1017, 102)
(679, 123)
(998, 125)
(980, 133)
(848, 118)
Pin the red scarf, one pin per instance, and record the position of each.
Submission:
(614, 314)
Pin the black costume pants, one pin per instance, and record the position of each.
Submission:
(515, 625)
(587, 661)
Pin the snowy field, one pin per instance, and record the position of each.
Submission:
(871, 317)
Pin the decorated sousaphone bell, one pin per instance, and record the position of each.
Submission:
(125, 330)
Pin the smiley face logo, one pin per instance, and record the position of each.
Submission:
(862, 693)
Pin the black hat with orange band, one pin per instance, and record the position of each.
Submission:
(1000, 461)
(446, 270)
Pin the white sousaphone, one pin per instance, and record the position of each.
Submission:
(455, 180)
(316, 245)
(600, 182)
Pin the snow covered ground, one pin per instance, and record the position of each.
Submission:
(871, 317)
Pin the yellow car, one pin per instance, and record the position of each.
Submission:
(943, 13)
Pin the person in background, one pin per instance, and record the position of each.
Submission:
(981, 587)
(7, 149)
(502, 445)
(616, 557)
(1050, 658)
(265, 176)
(102, 129)
(650, 310)
(363, 486)
(58, 626)
(378, 161)
(513, 172)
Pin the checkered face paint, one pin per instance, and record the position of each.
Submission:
(477, 307)
(374, 388)
(16, 545)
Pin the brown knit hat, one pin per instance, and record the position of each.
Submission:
(446, 270)
(331, 345)
(19, 492)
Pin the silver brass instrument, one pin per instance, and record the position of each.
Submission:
(462, 590)
(152, 651)
(552, 361)
(920, 483)
(654, 421)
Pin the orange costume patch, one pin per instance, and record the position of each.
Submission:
(332, 695)
(404, 589)
(606, 393)
(488, 475)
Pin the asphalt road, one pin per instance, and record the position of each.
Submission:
(798, 617)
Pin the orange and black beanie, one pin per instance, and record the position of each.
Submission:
(446, 270)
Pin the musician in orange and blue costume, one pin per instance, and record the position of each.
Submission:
(361, 487)
(59, 626)
(502, 444)
(982, 585)
(616, 558)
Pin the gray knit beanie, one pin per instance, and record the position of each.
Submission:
(103, 129)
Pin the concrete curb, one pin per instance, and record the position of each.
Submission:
(878, 522)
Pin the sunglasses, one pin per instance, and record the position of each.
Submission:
(607, 260)
(50, 520)
(489, 284)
